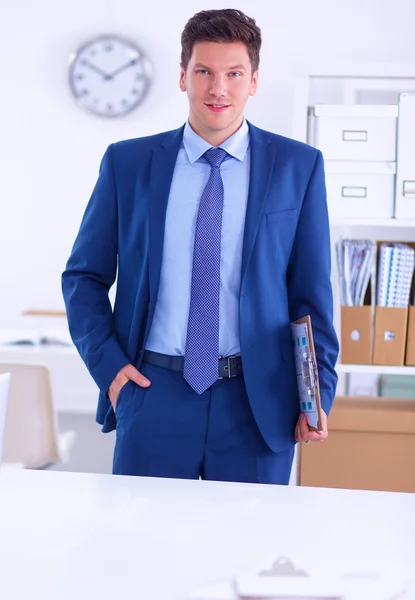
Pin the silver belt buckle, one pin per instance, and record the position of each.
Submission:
(228, 367)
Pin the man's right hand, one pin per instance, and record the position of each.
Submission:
(127, 373)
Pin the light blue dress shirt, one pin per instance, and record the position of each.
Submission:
(169, 327)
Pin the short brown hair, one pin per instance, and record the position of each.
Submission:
(224, 26)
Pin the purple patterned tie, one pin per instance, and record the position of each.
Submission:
(201, 367)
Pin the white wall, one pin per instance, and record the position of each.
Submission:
(50, 149)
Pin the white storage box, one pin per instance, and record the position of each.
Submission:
(354, 132)
(405, 177)
(360, 190)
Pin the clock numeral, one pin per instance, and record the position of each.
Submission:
(80, 77)
(109, 107)
(108, 47)
(134, 92)
(85, 92)
(139, 76)
(124, 102)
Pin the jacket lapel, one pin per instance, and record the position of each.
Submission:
(162, 168)
(262, 162)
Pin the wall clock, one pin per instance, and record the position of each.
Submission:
(109, 76)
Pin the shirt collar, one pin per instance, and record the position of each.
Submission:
(236, 145)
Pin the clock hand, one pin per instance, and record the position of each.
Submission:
(96, 69)
(130, 63)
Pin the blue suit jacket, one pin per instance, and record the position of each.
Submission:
(285, 270)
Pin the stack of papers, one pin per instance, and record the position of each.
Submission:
(395, 273)
(356, 264)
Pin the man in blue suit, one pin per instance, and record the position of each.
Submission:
(218, 235)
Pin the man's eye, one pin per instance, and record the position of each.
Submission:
(203, 71)
(235, 74)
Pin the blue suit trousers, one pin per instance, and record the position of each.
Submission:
(168, 430)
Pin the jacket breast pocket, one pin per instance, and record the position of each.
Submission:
(282, 215)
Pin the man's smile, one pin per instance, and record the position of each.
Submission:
(217, 107)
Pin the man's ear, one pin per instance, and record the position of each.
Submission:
(182, 82)
(254, 83)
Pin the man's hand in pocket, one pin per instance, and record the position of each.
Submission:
(124, 375)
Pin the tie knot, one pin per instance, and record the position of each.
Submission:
(215, 156)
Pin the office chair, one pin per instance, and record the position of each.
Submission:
(31, 439)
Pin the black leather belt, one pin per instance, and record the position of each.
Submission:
(230, 366)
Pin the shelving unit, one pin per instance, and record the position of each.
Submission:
(376, 83)
(375, 369)
(393, 223)
(363, 83)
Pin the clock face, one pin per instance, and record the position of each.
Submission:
(109, 76)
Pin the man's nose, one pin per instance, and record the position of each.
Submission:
(218, 87)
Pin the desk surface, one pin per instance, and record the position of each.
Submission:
(28, 351)
(66, 536)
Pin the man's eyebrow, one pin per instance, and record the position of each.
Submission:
(202, 66)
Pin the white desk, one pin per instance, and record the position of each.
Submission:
(73, 388)
(70, 536)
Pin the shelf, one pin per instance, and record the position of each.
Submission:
(403, 223)
(375, 369)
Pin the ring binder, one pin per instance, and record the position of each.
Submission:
(307, 372)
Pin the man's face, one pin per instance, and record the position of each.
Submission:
(218, 81)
